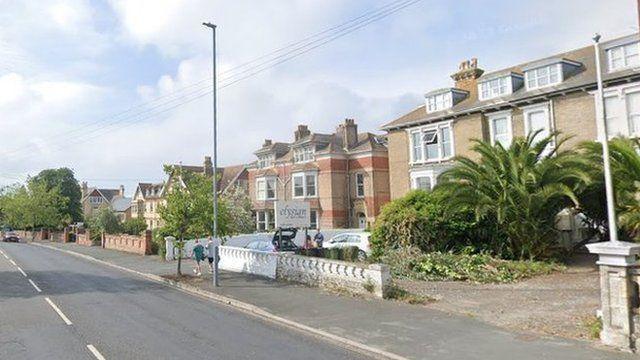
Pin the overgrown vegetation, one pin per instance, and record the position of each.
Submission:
(411, 263)
(593, 324)
(395, 292)
(348, 253)
(134, 226)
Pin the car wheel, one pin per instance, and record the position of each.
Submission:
(362, 256)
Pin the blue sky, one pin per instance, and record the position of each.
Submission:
(65, 64)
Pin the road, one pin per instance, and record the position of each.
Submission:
(55, 306)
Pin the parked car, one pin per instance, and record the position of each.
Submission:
(283, 239)
(11, 237)
(359, 239)
(261, 245)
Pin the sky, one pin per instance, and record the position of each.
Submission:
(100, 86)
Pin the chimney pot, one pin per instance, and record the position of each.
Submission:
(467, 77)
(267, 142)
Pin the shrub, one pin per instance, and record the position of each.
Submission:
(349, 253)
(420, 219)
(134, 226)
(438, 266)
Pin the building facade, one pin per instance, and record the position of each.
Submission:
(94, 199)
(149, 197)
(556, 93)
(343, 176)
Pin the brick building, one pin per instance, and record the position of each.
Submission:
(149, 197)
(556, 93)
(344, 176)
(94, 199)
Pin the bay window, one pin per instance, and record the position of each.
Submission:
(432, 143)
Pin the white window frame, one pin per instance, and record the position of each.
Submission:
(623, 48)
(264, 222)
(508, 87)
(95, 200)
(545, 107)
(529, 73)
(438, 127)
(303, 154)
(360, 185)
(265, 161)
(313, 219)
(305, 186)
(620, 93)
(265, 180)
(438, 102)
(414, 175)
(491, 118)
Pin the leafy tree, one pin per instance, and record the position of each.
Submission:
(521, 188)
(105, 220)
(188, 211)
(134, 226)
(64, 180)
(237, 203)
(625, 169)
(32, 206)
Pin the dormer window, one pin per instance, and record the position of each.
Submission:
(444, 99)
(543, 76)
(303, 154)
(439, 102)
(494, 88)
(549, 72)
(265, 161)
(623, 56)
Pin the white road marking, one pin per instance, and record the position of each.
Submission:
(64, 318)
(5, 256)
(13, 262)
(95, 352)
(35, 286)
(21, 271)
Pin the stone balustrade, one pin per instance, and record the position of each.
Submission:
(248, 261)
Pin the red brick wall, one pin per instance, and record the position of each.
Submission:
(140, 245)
(84, 238)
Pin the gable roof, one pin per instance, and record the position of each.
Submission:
(107, 194)
(149, 190)
(121, 204)
(583, 79)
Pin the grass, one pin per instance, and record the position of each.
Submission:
(394, 292)
(479, 268)
(593, 324)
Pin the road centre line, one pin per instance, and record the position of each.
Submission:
(34, 285)
(13, 262)
(95, 352)
(21, 271)
(60, 313)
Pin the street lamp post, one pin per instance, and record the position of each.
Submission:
(215, 158)
(608, 183)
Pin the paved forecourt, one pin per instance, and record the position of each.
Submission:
(94, 311)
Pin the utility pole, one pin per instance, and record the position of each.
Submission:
(601, 116)
(216, 254)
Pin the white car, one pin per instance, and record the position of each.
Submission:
(359, 239)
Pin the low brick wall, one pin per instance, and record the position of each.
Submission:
(28, 235)
(84, 238)
(128, 243)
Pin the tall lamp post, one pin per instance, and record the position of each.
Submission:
(601, 116)
(215, 158)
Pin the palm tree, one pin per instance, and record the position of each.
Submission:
(521, 188)
(625, 170)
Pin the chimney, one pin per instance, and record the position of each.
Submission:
(303, 131)
(467, 77)
(267, 143)
(121, 190)
(347, 133)
(84, 188)
(208, 166)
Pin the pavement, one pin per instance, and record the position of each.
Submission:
(57, 306)
(410, 331)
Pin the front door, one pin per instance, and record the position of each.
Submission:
(362, 221)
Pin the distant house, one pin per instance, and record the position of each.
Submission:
(94, 199)
(121, 206)
(148, 197)
(145, 203)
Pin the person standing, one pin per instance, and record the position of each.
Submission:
(318, 238)
(210, 251)
(198, 255)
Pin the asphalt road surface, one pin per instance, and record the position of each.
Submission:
(56, 306)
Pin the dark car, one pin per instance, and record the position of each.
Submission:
(283, 239)
(11, 237)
